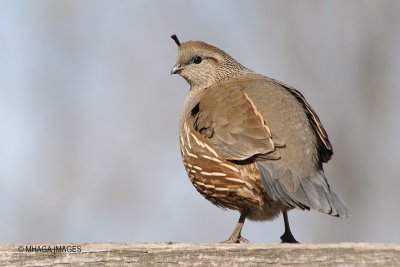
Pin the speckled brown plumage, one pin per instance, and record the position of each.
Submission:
(251, 143)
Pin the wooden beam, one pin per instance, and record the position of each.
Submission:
(172, 254)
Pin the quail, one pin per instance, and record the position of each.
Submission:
(251, 143)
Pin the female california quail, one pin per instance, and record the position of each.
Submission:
(249, 142)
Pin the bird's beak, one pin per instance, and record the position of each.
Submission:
(176, 69)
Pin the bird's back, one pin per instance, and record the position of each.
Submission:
(286, 118)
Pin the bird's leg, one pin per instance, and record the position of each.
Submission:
(236, 235)
(287, 236)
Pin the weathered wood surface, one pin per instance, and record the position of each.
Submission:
(173, 254)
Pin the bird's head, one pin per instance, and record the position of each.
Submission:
(203, 65)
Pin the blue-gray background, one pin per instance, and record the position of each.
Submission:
(89, 115)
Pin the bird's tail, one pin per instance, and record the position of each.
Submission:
(304, 193)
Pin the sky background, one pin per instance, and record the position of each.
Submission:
(89, 115)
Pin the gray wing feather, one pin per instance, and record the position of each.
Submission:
(304, 193)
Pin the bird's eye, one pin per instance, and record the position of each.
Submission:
(197, 60)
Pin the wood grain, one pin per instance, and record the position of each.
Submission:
(173, 254)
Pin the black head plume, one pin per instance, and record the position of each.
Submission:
(176, 39)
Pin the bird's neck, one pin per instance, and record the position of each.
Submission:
(225, 74)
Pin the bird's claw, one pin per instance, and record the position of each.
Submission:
(236, 240)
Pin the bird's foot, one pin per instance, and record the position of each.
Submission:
(236, 240)
(287, 237)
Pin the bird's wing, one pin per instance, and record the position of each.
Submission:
(228, 118)
(324, 146)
